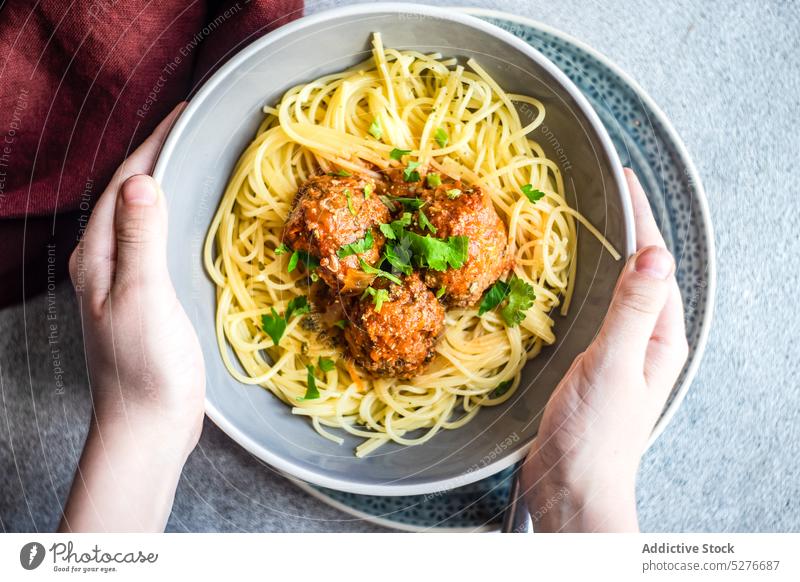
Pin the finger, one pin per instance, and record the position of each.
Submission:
(647, 233)
(668, 349)
(92, 262)
(140, 226)
(142, 160)
(640, 296)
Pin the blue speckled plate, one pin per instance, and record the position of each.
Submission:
(646, 142)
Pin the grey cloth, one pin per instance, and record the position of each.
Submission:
(728, 76)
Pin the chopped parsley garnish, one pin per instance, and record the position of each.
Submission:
(341, 323)
(494, 296)
(310, 261)
(532, 193)
(387, 231)
(399, 256)
(274, 325)
(410, 173)
(293, 260)
(424, 222)
(438, 254)
(375, 128)
(520, 298)
(378, 297)
(368, 190)
(425, 251)
(453, 193)
(410, 203)
(440, 136)
(397, 153)
(442, 290)
(433, 180)
(370, 270)
(502, 388)
(340, 173)
(281, 249)
(326, 364)
(311, 388)
(357, 247)
(349, 197)
(394, 229)
(297, 306)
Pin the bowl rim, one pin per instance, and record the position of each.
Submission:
(319, 477)
(701, 197)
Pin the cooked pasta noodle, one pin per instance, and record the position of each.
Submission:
(324, 125)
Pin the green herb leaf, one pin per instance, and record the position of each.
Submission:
(326, 364)
(349, 197)
(399, 256)
(273, 325)
(502, 388)
(358, 247)
(297, 306)
(440, 136)
(437, 254)
(370, 270)
(281, 249)
(442, 290)
(387, 231)
(410, 203)
(341, 323)
(293, 260)
(311, 262)
(378, 297)
(368, 190)
(397, 153)
(433, 180)
(520, 299)
(311, 388)
(453, 193)
(375, 128)
(424, 222)
(493, 296)
(410, 173)
(532, 193)
(398, 225)
(341, 173)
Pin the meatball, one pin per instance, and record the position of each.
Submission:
(330, 212)
(456, 210)
(398, 340)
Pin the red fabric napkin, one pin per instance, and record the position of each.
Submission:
(81, 84)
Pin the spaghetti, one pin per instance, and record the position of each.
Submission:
(326, 125)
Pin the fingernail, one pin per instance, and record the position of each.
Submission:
(654, 262)
(139, 191)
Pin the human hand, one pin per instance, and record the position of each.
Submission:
(144, 360)
(581, 471)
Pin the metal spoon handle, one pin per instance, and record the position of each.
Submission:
(517, 518)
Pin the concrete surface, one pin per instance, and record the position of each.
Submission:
(728, 76)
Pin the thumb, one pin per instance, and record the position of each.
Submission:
(140, 225)
(640, 296)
